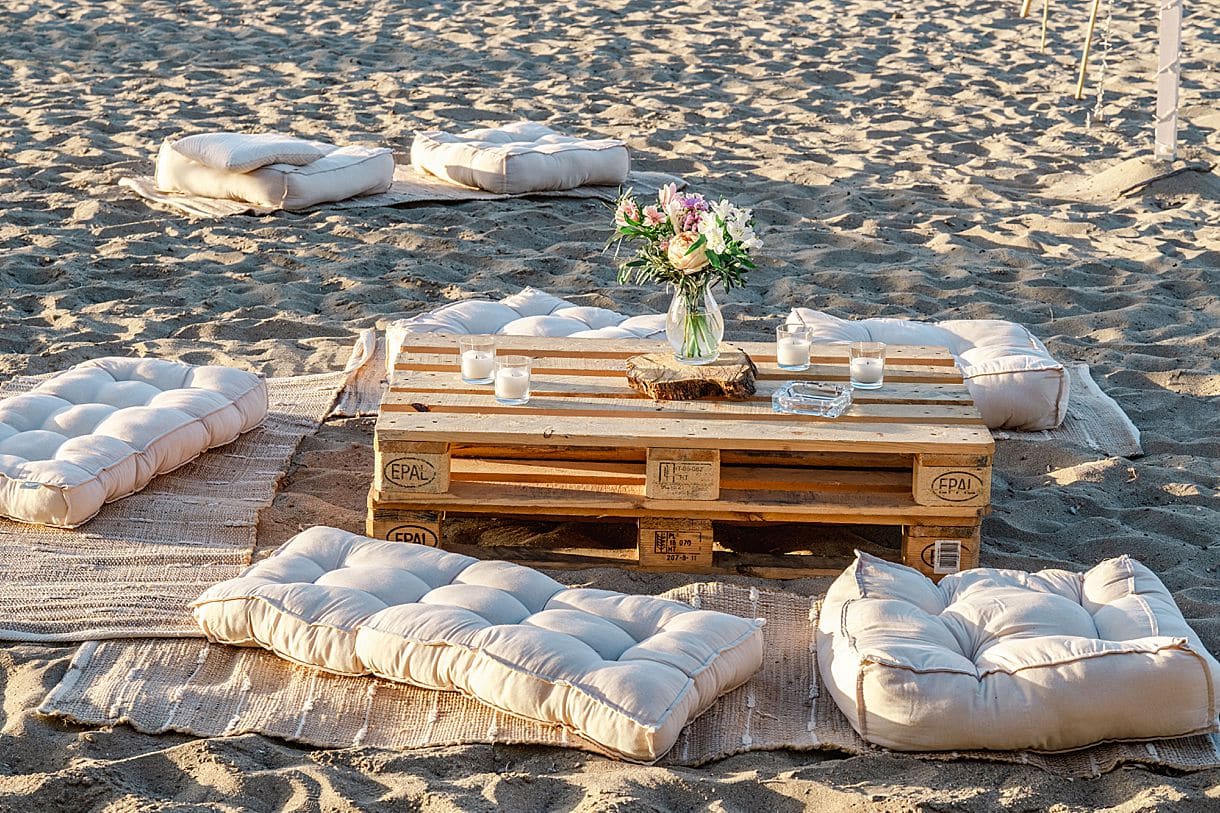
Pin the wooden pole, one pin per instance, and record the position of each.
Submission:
(1025, 4)
(1168, 77)
(1046, 13)
(1088, 43)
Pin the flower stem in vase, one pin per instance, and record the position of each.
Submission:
(695, 326)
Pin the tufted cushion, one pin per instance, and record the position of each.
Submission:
(528, 313)
(341, 172)
(1003, 659)
(519, 158)
(104, 428)
(1015, 382)
(626, 672)
(242, 152)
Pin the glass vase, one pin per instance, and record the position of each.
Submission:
(694, 327)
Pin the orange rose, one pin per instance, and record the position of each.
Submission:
(677, 252)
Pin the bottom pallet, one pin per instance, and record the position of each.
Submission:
(691, 546)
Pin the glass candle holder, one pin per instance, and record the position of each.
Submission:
(477, 358)
(867, 365)
(792, 347)
(513, 380)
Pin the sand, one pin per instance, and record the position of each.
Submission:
(903, 159)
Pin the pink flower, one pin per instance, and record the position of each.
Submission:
(681, 257)
(653, 216)
(668, 192)
(626, 210)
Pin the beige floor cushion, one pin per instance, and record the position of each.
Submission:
(626, 672)
(103, 429)
(519, 158)
(1008, 660)
(529, 312)
(1015, 382)
(242, 152)
(340, 173)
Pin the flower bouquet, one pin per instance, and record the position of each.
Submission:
(692, 244)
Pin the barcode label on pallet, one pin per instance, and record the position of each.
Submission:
(946, 556)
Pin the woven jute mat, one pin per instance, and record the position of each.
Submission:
(1094, 421)
(409, 186)
(207, 690)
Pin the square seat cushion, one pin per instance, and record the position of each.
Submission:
(242, 152)
(1014, 380)
(1007, 660)
(103, 429)
(519, 158)
(337, 174)
(625, 672)
(528, 313)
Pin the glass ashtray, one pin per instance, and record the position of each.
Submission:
(812, 398)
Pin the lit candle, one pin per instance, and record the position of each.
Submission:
(793, 352)
(512, 383)
(477, 364)
(867, 370)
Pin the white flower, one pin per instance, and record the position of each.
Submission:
(712, 230)
(738, 225)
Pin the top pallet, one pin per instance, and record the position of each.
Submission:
(580, 397)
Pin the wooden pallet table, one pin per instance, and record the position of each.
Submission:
(914, 454)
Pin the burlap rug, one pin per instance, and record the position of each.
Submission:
(130, 571)
(409, 187)
(1094, 421)
(209, 690)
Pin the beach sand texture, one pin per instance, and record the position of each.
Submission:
(903, 159)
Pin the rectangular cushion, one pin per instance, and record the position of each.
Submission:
(343, 172)
(1014, 380)
(242, 152)
(529, 312)
(1009, 660)
(625, 672)
(103, 429)
(520, 158)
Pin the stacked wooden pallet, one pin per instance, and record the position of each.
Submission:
(914, 455)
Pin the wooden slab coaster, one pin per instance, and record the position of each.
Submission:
(663, 378)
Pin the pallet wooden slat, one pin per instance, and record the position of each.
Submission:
(425, 344)
(827, 369)
(788, 433)
(594, 388)
(737, 477)
(445, 403)
(599, 499)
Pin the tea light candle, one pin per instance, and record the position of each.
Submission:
(477, 365)
(867, 370)
(512, 383)
(791, 351)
